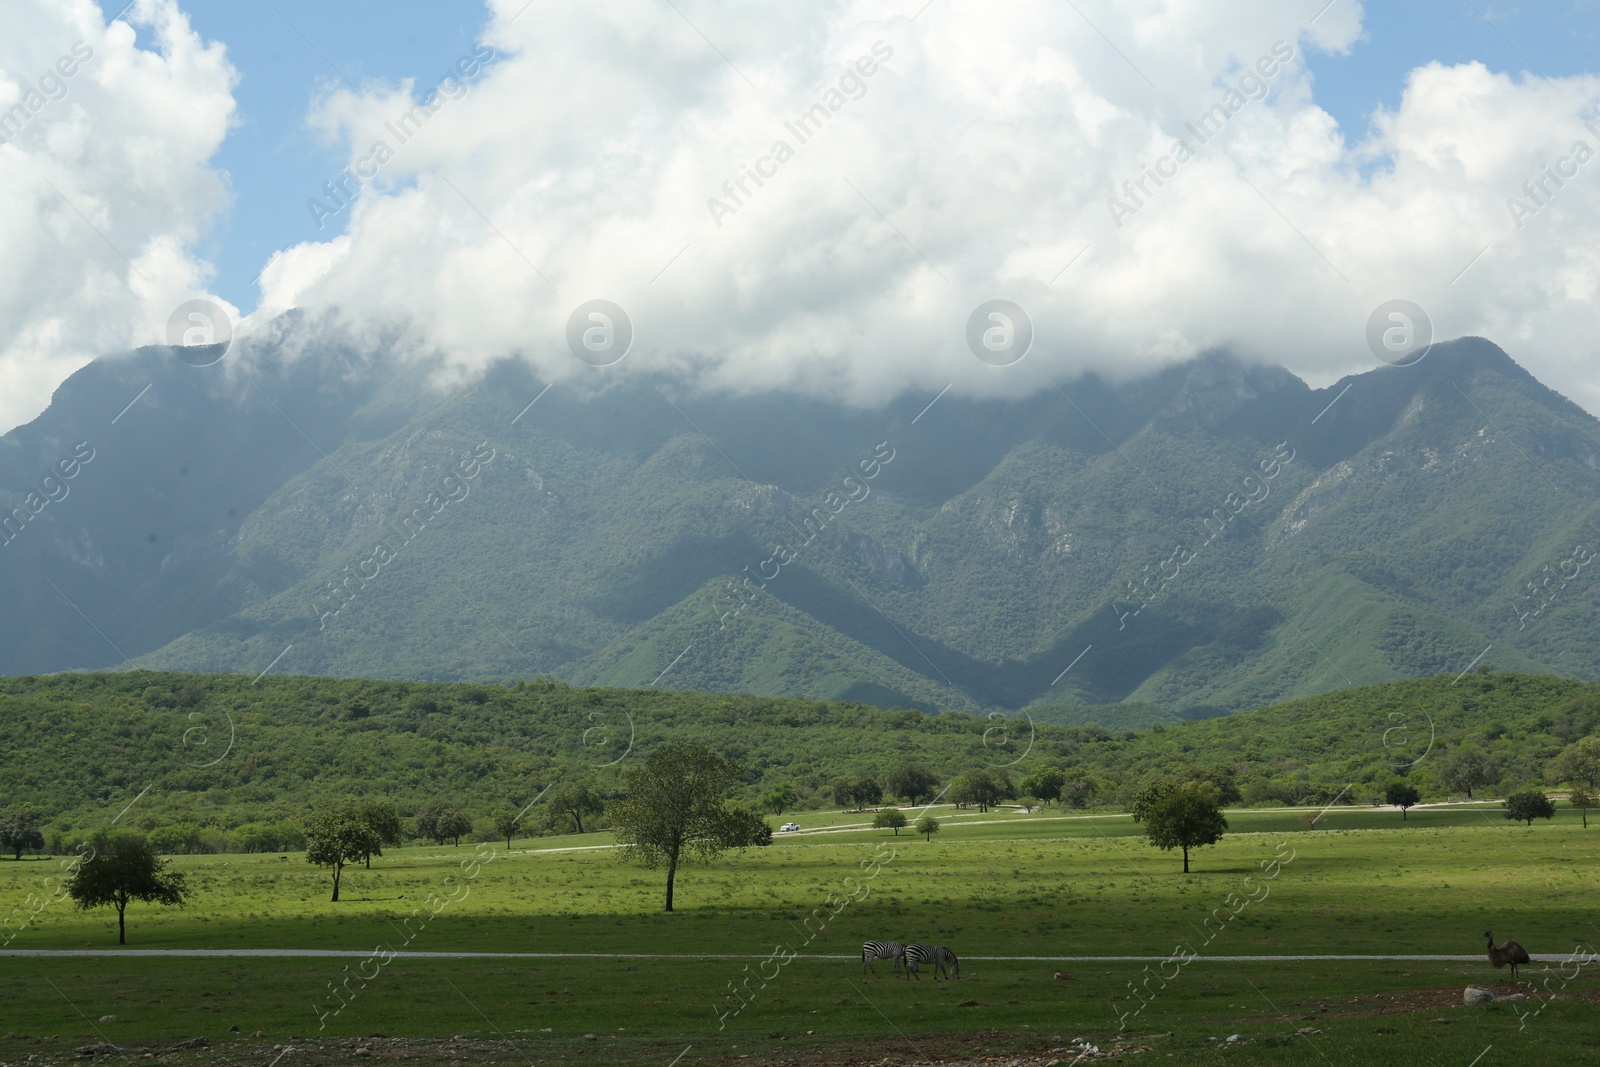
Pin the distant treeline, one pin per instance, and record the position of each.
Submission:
(223, 762)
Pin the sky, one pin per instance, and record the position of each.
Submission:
(602, 150)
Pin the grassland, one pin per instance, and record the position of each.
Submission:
(999, 884)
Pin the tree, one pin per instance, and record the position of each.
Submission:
(858, 792)
(1466, 769)
(1402, 795)
(889, 819)
(452, 824)
(983, 787)
(1077, 792)
(1528, 805)
(426, 821)
(506, 824)
(1579, 762)
(383, 821)
(120, 869)
(927, 826)
(336, 838)
(1045, 783)
(914, 782)
(677, 806)
(19, 829)
(1222, 780)
(439, 822)
(1187, 816)
(745, 827)
(779, 799)
(1151, 791)
(575, 800)
(1583, 800)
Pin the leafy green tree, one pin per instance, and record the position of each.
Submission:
(779, 799)
(1580, 761)
(1222, 780)
(1465, 769)
(439, 821)
(914, 782)
(184, 838)
(335, 838)
(425, 824)
(384, 822)
(1402, 795)
(452, 824)
(506, 824)
(123, 868)
(927, 826)
(676, 805)
(575, 800)
(1077, 792)
(984, 787)
(889, 819)
(857, 793)
(1528, 805)
(744, 827)
(19, 830)
(1150, 791)
(1186, 816)
(1580, 798)
(1045, 783)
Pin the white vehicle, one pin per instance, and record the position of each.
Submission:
(788, 826)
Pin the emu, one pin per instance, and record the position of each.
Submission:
(1509, 952)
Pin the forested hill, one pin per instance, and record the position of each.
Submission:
(1202, 529)
(229, 751)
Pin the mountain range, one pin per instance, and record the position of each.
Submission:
(1217, 536)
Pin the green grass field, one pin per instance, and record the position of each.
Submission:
(996, 884)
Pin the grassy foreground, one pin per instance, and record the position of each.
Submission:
(1009, 885)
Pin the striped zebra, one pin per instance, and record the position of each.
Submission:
(938, 955)
(873, 951)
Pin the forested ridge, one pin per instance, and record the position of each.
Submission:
(232, 756)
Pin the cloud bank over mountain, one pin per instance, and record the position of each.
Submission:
(105, 188)
(818, 197)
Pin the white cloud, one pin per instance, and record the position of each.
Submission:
(579, 165)
(104, 187)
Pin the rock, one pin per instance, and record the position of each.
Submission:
(363, 1051)
(1514, 996)
(108, 1018)
(1477, 995)
(233, 1030)
(1234, 1039)
(590, 1037)
(101, 1048)
(193, 1042)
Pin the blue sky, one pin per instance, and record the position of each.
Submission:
(1554, 37)
(286, 52)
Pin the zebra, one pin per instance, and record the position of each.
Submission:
(873, 951)
(938, 955)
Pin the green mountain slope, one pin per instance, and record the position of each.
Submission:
(1216, 536)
